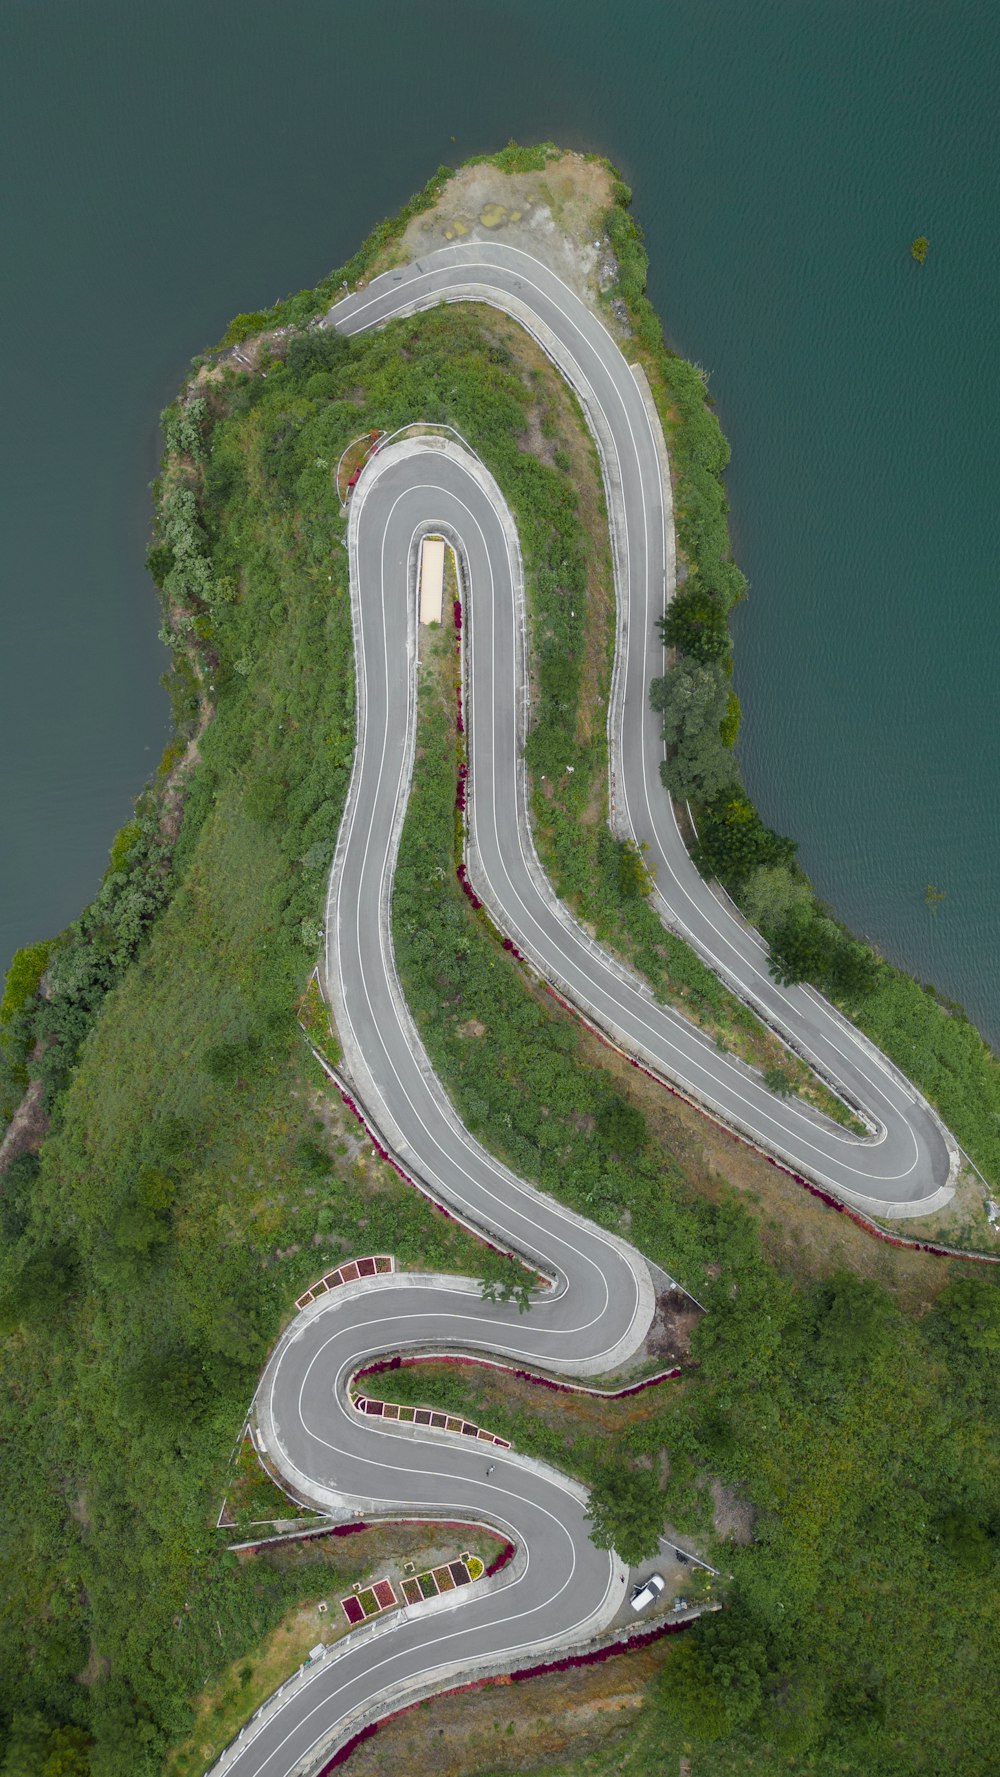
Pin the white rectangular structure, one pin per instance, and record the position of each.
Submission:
(431, 579)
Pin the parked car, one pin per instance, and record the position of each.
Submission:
(647, 1590)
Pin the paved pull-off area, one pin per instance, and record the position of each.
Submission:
(560, 1590)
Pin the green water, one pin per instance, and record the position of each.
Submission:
(165, 167)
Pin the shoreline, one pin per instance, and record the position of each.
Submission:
(633, 313)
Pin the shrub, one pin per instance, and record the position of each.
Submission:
(22, 982)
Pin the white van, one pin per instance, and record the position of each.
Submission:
(647, 1590)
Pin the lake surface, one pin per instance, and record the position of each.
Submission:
(166, 167)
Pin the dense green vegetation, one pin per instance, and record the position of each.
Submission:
(186, 1193)
(196, 1177)
(933, 1041)
(171, 1219)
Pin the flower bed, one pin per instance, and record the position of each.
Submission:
(378, 1265)
(506, 1554)
(381, 1594)
(364, 1403)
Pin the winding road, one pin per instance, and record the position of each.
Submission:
(560, 1591)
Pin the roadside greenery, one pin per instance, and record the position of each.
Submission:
(932, 1040)
(571, 639)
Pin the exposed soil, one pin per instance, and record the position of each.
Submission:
(799, 1233)
(27, 1128)
(516, 1727)
(733, 1516)
(489, 1390)
(555, 215)
(669, 1337)
(970, 1221)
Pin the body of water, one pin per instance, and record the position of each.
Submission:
(166, 167)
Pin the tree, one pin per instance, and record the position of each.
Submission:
(771, 894)
(714, 1681)
(966, 1540)
(919, 247)
(632, 873)
(317, 349)
(626, 1512)
(777, 1080)
(46, 1278)
(803, 947)
(729, 727)
(173, 1384)
(693, 699)
(23, 979)
(695, 624)
(699, 767)
(37, 1749)
(855, 971)
(15, 1195)
(965, 1326)
(733, 841)
(850, 1328)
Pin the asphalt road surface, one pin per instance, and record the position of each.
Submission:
(905, 1168)
(598, 1309)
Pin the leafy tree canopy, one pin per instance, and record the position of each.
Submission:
(626, 1512)
(695, 623)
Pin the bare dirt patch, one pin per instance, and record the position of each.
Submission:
(508, 1727)
(555, 215)
(970, 1221)
(27, 1128)
(489, 1392)
(97, 1668)
(799, 1233)
(669, 1337)
(732, 1515)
